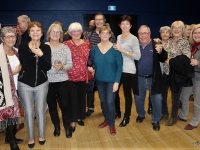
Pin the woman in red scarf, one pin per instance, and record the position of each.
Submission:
(186, 91)
(9, 107)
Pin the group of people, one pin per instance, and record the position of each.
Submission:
(58, 72)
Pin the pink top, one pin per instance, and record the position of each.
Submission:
(80, 56)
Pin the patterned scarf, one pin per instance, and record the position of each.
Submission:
(194, 49)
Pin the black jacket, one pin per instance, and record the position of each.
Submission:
(157, 74)
(34, 69)
(181, 73)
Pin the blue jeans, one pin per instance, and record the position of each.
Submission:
(30, 97)
(107, 98)
(156, 100)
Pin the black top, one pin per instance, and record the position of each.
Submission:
(34, 69)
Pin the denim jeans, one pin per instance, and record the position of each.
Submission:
(90, 100)
(156, 100)
(107, 98)
(34, 97)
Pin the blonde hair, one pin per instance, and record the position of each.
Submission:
(51, 28)
(103, 28)
(191, 40)
(180, 23)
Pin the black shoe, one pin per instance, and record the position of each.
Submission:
(81, 123)
(156, 126)
(118, 115)
(179, 104)
(125, 121)
(149, 111)
(139, 119)
(89, 112)
(31, 145)
(68, 133)
(42, 142)
(73, 128)
(14, 146)
(18, 141)
(56, 132)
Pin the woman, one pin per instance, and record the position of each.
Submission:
(58, 79)
(186, 91)
(35, 59)
(77, 75)
(178, 50)
(9, 108)
(128, 46)
(187, 31)
(165, 33)
(108, 69)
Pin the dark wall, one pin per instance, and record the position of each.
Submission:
(153, 13)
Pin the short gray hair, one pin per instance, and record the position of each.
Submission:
(7, 29)
(145, 26)
(165, 28)
(25, 18)
(75, 25)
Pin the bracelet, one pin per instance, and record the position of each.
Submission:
(127, 52)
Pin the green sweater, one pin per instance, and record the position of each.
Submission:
(108, 66)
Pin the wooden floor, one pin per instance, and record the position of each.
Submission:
(134, 136)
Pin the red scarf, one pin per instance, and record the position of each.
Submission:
(194, 49)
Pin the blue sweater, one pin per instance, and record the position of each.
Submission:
(108, 66)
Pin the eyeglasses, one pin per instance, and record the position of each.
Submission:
(10, 36)
(98, 19)
(177, 27)
(76, 31)
(195, 33)
(55, 32)
(105, 33)
(143, 33)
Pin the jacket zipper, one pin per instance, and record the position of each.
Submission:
(43, 73)
(36, 71)
(21, 75)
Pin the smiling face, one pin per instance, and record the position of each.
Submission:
(35, 33)
(196, 35)
(165, 35)
(144, 35)
(99, 21)
(76, 34)
(125, 26)
(55, 33)
(9, 39)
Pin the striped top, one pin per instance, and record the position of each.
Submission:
(94, 39)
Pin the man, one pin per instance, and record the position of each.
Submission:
(149, 76)
(23, 22)
(93, 36)
(91, 23)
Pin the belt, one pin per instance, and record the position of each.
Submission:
(146, 76)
